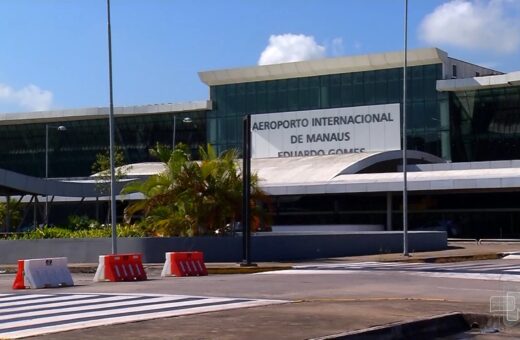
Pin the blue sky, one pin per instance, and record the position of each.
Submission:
(54, 52)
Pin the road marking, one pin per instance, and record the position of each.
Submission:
(470, 289)
(25, 315)
(480, 271)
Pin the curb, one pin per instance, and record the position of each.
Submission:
(88, 269)
(432, 327)
(427, 328)
(245, 270)
(448, 259)
(91, 268)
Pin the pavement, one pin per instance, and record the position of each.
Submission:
(457, 251)
(320, 313)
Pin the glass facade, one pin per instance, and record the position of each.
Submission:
(231, 102)
(73, 151)
(475, 215)
(457, 126)
(485, 124)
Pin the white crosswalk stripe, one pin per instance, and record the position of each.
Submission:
(468, 270)
(23, 315)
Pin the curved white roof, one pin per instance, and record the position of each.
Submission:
(454, 180)
(323, 175)
(12, 183)
(272, 171)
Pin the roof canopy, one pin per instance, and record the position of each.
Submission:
(12, 183)
(423, 56)
(326, 168)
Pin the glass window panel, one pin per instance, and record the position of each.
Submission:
(325, 92)
(272, 96)
(335, 90)
(369, 88)
(251, 98)
(212, 131)
(314, 92)
(347, 90)
(241, 98)
(304, 94)
(282, 95)
(395, 85)
(381, 96)
(358, 89)
(417, 119)
(292, 94)
(261, 97)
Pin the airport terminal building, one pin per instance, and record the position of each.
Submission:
(326, 135)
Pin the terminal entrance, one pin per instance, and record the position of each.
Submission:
(461, 215)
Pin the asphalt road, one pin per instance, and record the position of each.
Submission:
(322, 300)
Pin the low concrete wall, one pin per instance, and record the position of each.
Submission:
(341, 228)
(264, 247)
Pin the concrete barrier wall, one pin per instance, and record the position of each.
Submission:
(341, 228)
(226, 249)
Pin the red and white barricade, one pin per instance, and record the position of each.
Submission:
(120, 267)
(43, 273)
(184, 264)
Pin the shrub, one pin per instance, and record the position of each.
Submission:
(92, 232)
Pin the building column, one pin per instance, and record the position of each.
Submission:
(444, 108)
(388, 211)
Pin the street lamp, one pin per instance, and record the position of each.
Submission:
(58, 128)
(185, 120)
(111, 128)
(405, 179)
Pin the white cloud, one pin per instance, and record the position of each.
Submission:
(30, 97)
(286, 48)
(474, 24)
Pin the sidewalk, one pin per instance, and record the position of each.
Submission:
(456, 252)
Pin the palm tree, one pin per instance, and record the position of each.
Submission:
(194, 197)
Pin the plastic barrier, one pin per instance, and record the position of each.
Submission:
(43, 273)
(184, 264)
(120, 267)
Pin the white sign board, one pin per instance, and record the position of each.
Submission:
(326, 132)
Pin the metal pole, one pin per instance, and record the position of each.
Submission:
(405, 180)
(111, 135)
(46, 172)
(35, 222)
(246, 192)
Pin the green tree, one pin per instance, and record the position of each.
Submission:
(195, 197)
(10, 217)
(101, 168)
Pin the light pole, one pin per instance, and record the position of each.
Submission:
(405, 179)
(246, 193)
(111, 137)
(185, 120)
(58, 128)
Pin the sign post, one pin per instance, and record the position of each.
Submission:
(246, 193)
